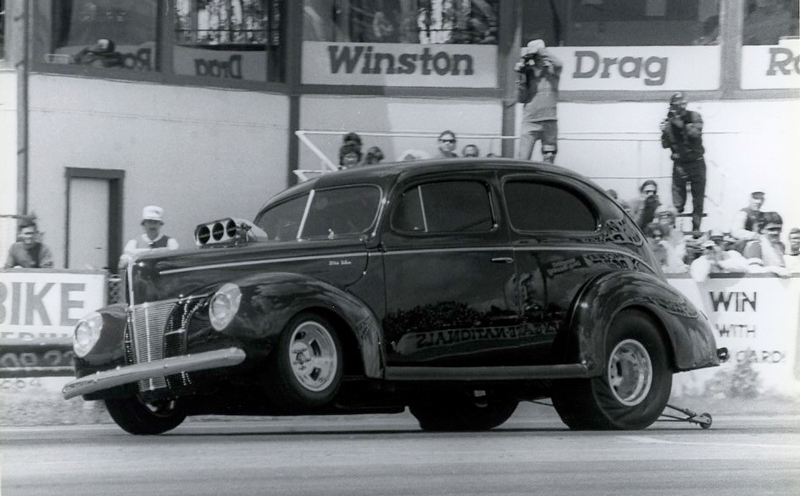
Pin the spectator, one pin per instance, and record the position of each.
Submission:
(612, 193)
(471, 151)
(745, 226)
(352, 138)
(152, 238)
(625, 206)
(767, 251)
(792, 257)
(538, 76)
(717, 257)
(644, 207)
(681, 132)
(666, 218)
(447, 143)
(665, 254)
(29, 252)
(349, 155)
(374, 156)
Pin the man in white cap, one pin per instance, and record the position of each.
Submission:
(538, 75)
(152, 238)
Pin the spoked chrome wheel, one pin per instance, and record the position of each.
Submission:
(313, 356)
(630, 372)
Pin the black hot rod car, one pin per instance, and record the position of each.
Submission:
(454, 288)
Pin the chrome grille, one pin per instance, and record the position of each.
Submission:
(157, 330)
(147, 321)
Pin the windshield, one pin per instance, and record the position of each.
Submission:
(331, 214)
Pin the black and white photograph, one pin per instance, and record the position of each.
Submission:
(399, 247)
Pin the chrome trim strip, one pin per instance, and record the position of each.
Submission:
(525, 372)
(262, 261)
(160, 368)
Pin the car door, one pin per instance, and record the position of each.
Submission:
(448, 269)
(551, 224)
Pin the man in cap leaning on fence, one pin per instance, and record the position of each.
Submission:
(152, 238)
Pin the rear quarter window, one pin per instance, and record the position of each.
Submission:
(541, 206)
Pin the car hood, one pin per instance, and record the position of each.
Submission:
(184, 273)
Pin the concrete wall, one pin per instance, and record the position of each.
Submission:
(199, 153)
(398, 115)
(8, 160)
(749, 144)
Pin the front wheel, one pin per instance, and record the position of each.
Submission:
(138, 417)
(463, 411)
(305, 369)
(635, 384)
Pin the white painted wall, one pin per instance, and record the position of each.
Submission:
(8, 160)
(749, 145)
(199, 153)
(400, 115)
(203, 153)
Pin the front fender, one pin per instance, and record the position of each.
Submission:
(689, 335)
(270, 300)
(109, 351)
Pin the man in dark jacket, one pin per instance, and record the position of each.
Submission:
(682, 133)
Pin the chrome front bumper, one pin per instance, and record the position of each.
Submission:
(159, 368)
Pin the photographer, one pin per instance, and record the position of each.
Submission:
(643, 208)
(681, 132)
(538, 75)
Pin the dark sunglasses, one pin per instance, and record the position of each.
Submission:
(445, 140)
(773, 229)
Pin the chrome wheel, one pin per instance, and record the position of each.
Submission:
(630, 372)
(312, 356)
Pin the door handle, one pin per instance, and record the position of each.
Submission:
(506, 260)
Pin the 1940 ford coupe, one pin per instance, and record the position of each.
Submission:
(454, 288)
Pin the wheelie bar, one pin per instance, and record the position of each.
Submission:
(702, 419)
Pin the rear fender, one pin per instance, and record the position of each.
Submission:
(689, 337)
(270, 300)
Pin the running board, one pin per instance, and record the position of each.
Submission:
(526, 372)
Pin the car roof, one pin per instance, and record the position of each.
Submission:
(386, 174)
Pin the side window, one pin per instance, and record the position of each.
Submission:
(444, 207)
(534, 206)
(282, 221)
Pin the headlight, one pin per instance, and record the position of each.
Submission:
(224, 305)
(87, 333)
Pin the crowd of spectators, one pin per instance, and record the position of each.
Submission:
(751, 245)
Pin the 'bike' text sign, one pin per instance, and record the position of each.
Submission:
(395, 64)
(43, 306)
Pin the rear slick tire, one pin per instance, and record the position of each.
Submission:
(139, 418)
(632, 390)
(463, 411)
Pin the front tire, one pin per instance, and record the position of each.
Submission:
(305, 369)
(463, 411)
(137, 417)
(633, 388)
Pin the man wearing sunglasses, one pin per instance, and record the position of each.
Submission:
(447, 144)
